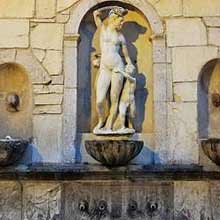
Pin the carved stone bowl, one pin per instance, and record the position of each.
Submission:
(11, 150)
(211, 148)
(114, 152)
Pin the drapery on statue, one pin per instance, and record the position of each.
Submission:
(112, 73)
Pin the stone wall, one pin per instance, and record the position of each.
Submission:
(151, 200)
(43, 37)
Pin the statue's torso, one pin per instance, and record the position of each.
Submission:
(110, 43)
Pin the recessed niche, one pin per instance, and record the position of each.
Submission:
(15, 102)
(209, 100)
(137, 32)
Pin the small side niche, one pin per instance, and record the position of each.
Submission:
(15, 102)
(209, 100)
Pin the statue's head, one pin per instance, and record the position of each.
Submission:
(116, 17)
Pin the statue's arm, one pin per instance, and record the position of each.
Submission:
(97, 18)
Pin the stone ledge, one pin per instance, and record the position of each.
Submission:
(85, 172)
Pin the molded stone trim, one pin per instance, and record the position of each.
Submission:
(80, 10)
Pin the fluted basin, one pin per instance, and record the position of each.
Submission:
(114, 152)
(11, 150)
(211, 148)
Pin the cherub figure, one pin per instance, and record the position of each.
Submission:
(127, 105)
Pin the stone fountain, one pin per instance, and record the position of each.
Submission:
(114, 152)
(210, 111)
(211, 148)
(15, 116)
(11, 150)
(116, 84)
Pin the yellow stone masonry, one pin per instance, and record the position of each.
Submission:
(17, 8)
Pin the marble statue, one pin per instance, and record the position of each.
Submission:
(114, 74)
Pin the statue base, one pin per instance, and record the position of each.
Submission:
(113, 153)
(122, 131)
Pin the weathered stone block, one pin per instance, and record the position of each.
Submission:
(169, 83)
(215, 203)
(169, 55)
(183, 67)
(70, 101)
(119, 201)
(18, 36)
(198, 8)
(53, 62)
(48, 99)
(17, 8)
(191, 200)
(160, 134)
(70, 71)
(10, 200)
(62, 18)
(43, 20)
(159, 51)
(45, 9)
(167, 8)
(47, 36)
(7, 55)
(160, 77)
(56, 89)
(69, 139)
(47, 109)
(41, 201)
(61, 5)
(44, 89)
(185, 92)
(186, 32)
(214, 36)
(39, 54)
(47, 130)
(212, 21)
(38, 75)
(183, 147)
(57, 80)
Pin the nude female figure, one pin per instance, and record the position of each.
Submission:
(111, 65)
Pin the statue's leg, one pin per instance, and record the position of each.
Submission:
(123, 105)
(132, 113)
(103, 84)
(122, 113)
(116, 87)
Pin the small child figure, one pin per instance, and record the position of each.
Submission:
(127, 102)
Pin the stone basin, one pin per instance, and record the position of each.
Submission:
(211, 148)
(114, 152)
(11, 150)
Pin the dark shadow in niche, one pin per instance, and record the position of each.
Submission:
(77, 144)
(87, 30)
(35, 154)
(131, 31)
(141, 95)
(203, 97)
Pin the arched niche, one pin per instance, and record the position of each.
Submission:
(15, 118)
(209, 100)
(137, 32)
(79, 10)
(73, 128)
